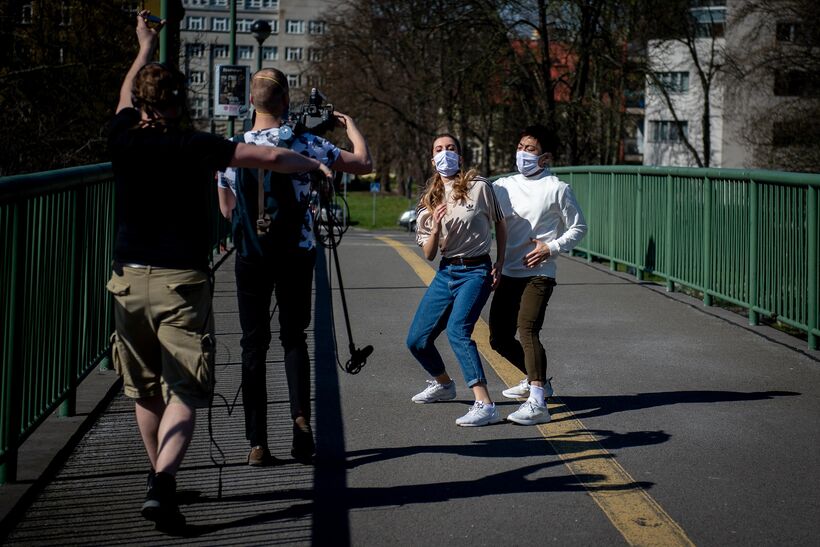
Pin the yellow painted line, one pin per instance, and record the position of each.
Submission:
(633, 512)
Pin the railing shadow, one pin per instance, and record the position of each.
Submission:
(601, 405)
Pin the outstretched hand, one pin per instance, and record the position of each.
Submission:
(342, 119)
(146, 34)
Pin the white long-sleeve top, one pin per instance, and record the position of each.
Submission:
(539, 207)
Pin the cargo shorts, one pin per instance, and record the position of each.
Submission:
(164, 341)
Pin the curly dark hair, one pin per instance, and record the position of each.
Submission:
(158, 87)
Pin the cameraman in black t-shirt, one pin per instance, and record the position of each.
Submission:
(164, 340)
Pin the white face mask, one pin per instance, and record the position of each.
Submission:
(527, 163)
(446, 163)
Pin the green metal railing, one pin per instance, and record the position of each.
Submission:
(56, 240)
(749, 238)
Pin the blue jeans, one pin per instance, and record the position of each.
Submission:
(453, 301)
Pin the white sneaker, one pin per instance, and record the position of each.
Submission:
(479, 414)
(522, 390)
(530, 414)
(436, 392)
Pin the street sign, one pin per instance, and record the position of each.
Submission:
(232, 94)
(375, 187)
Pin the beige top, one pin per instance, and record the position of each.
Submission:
(466, 228)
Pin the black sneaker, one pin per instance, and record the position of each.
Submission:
(160, 502)
(303, 446)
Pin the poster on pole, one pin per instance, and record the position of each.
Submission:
(232, 92)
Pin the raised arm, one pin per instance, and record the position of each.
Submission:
(274, 158)
(147, 38)
(357, 162)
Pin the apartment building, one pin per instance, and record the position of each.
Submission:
(764, 96)
(675, 97)
(291, 47)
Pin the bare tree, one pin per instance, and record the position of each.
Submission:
(59, 81)
(698, 33)
(775, 82)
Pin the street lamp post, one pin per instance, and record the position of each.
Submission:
(260, 30)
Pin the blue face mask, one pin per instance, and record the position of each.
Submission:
(447, 163)
(527, 163)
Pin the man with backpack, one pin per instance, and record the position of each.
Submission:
(276, 253)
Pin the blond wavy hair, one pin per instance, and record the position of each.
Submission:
(434, 190)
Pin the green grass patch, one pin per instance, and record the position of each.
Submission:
(387, 207)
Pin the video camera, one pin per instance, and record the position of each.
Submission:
(315, 116)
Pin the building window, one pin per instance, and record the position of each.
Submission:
(796, 33)
(293, 54)
(316, 27)
(270, 53)
(295, 26)
(198, 3)
(244, 25)
(199, 107)
(65, 15)
(196, 77)
(674, 82)
(710, 20)
(796, 133)
(294, 81)
(253, 4)
(219, 24)
(314, 54)
(270, 4)
(667, 131)
(195, 23)
(244, 52)
(221, 52)
(221, 3)
(796, 83)
(195, 50)
(130, 6)
(274, 26)
(315, 80)
(26, 13)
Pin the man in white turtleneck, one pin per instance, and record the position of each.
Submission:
(543, 219)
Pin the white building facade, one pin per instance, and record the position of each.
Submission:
(764, 99)
(675, 97)
(292, 46)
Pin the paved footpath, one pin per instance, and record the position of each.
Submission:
(673, 424)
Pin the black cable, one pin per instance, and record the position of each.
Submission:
(329, 234)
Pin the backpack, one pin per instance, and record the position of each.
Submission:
(281, 212)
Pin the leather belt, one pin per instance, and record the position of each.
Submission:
(466, 260)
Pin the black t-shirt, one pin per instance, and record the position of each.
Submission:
(163, 180)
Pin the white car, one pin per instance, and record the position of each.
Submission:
(408, 219)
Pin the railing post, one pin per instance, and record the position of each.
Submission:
(611, 250)
(813, 228)
(670, 285)
(69, 405)
(639, 254)
(14, 384)
(753, 246)
(589, 203)
(707, 241)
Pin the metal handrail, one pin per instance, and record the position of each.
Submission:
(56, 245)
(746, 237)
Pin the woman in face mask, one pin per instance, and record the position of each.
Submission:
(456, 215)
(543, 219)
